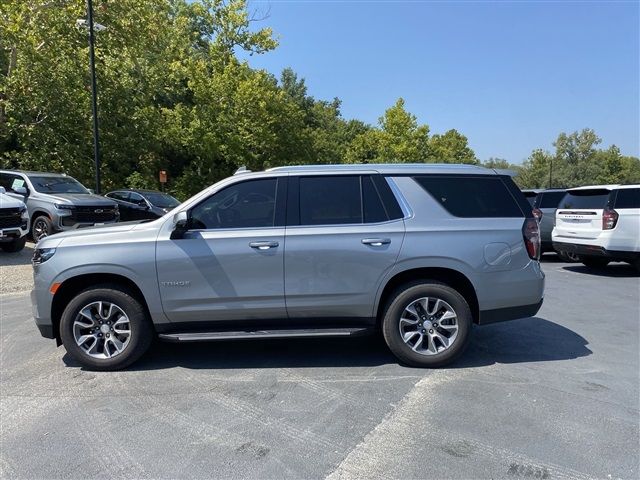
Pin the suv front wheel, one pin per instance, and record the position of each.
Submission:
(427, 324)
(41, 228)
(105, 328)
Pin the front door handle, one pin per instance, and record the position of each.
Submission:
(376, 242)
(265, 245)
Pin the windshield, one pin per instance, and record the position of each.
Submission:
(57, 185)
(162, 200)
(580, 199)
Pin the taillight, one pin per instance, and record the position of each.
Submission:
(537, 213)
(531, 235)
(609, 219)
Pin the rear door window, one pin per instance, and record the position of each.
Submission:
(628, 198)
(596, 199)
(549, 199)
(330, 200)
(472, 196)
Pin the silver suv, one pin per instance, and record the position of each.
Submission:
(421, 252)
(57, 202)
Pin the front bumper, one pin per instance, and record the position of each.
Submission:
(594, 251)
(12, 234)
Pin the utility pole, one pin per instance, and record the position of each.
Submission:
(550, 170)
(94, 94)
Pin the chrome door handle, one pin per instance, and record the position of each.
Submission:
(376, 242)
(263, 245)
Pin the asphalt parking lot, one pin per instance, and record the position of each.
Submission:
(555, 396)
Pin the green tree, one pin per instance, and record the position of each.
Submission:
(451, 147)
(399, 139)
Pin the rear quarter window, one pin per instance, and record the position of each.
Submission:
(628, 198)
(472, 196)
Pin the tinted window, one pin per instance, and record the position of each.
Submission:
(57, 185)
(471, 197)
(136, 198)
(123, 196)
(161, 200)
(550, 199)
(330, 200)
(249, 204)
(584, 199)
(628, 198)
(531, 197)
(374, 210)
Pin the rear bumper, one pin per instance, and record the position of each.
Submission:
(510, 313)
(594, 251)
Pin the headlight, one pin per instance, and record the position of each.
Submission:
(41, 255)
(61, 206)
(23, 212)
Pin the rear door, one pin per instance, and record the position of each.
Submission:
(579, 215)
(344, 233)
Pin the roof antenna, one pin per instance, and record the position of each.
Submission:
(242, 169)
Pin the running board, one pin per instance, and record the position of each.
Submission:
(298, 333)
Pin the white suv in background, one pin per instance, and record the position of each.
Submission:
(600, 224)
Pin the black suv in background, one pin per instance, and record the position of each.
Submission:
(142, 204)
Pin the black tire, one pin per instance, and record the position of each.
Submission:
(594, 262)
(14, 246)
(41, 228)
(569, 257)
(141, 336)
(402, 298)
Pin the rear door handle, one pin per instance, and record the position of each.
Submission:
(376, 242)
(265, 245)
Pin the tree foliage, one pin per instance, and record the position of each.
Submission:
(174, 95)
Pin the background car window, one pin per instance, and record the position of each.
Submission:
(51, 184)
(330, 200)
(472, 197)
(550, 199)
(628, 198)
(596, 198)
(161, 200)
(249, 204)
(123, 196)
(8, 180)
(136, 198)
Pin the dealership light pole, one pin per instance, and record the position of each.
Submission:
(88, 23)
(550, 169)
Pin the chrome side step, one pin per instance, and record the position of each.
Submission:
(248, 334)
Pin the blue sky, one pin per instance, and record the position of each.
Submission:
(508, 75)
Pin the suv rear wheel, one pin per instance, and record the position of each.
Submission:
(105, 328)
(594, 262)
(427, 324)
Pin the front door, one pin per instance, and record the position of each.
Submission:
(229, 265)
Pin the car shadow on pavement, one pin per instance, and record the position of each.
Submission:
(614, 270)
(526, 340)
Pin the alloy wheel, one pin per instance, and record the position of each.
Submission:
(102, 329)
(40, 230)
(428, 325)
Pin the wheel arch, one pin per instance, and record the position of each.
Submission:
(453, 278)
(72, 286)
